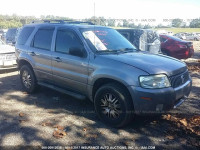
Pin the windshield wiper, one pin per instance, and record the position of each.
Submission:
(108, 51)
(127, 50)
(123, 50)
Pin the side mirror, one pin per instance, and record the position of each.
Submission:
(76, 51)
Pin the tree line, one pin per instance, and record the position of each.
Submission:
(12, 21)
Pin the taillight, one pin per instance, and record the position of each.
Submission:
(186, 53)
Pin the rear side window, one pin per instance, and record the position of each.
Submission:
(24, 35)
(43, 39)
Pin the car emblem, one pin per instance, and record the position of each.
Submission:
(182, 78)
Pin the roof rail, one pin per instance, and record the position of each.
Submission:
(36, 21)
(63, 21)
(80, 22)
(58, 21)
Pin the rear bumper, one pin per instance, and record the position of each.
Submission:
(159, 100)
(7, 64)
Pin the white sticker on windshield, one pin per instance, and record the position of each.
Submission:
(94, 40)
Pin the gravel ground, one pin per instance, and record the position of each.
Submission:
(34, 120)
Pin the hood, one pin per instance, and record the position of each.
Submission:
(6, 49)
(150, 63)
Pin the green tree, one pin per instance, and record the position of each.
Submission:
(119, 24)
(111, 22)
(147, 26)
(140, 26)
(125, 23)
(195, 23)
(132, 25)
(177, 22)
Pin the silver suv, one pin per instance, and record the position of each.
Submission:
(99, 63)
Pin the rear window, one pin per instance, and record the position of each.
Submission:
(24, 35)
(43, 39)
(162, 39)
(174, 38)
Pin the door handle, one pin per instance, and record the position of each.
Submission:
(32, 53)
(57, 59)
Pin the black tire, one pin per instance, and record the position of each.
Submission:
(124, 102)
(31, 88)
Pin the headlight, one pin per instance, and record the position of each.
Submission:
(154, 81)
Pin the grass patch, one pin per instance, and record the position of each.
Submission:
(176, 30)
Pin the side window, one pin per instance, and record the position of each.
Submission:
(43, 38)
(65, 40)
(24, 35)
(163, 39)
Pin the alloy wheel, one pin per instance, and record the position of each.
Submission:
(110, 106)
(26, 78)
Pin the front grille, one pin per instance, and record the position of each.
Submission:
(179, 80)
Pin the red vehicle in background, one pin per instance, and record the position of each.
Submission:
(176, 47)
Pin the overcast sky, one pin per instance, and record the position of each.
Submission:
(118, 9)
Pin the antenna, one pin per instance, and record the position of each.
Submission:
(94, 12)
(94, 20)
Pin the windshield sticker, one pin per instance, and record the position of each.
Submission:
(94, 40)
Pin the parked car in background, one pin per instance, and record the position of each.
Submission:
(11, 36)
(175, 47)
(1, 33)
(198, 33)
(181, 35)
(7, 56)
(3, 36)
(192, 37)
(143, 39)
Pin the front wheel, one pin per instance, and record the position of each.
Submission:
(113, 105)
(28, 79)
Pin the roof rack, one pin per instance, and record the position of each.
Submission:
(80, 22)
(63, 21)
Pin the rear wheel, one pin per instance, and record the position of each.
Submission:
(113, 105)
(28, 79)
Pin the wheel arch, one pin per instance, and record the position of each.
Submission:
(102, 81)
(22, 62)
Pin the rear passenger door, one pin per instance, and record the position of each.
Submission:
(41, 53)
(69, 70)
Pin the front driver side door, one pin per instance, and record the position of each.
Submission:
(69, 71)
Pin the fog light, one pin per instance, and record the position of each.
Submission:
(159, 107)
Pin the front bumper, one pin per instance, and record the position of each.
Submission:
(159, 100)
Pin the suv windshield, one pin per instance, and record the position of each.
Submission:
(106, 39)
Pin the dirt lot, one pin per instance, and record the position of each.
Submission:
(49, 118)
